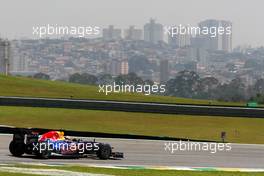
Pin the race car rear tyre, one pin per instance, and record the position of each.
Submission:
(104, 151)
(17, 148)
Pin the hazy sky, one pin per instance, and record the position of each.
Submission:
(18, 16)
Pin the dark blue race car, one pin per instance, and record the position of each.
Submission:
(70, 148)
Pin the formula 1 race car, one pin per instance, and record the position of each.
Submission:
(47, 145)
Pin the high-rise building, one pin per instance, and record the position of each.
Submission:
(133, 34)
(20, 63)
(124, 67)
(4, 56)
(179, 40)
(19, 59)
(153, 32)
(219, 41)
(114, 67)
(227, 39)
(118, 67)
(164, 71)
(111, 33)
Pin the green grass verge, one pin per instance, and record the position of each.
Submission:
(13, 174)
(239, 130)
(28, 87)
(141, 172)
(119, 172)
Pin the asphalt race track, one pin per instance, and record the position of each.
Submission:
(142, 152)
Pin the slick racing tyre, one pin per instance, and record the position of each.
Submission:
(44, 154)
(104, 151)
(17, 148)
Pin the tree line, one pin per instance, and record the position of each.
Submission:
(187, 84)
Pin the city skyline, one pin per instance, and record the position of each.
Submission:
(123, 14)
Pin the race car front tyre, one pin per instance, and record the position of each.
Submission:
(45, 154)
(104, 151)
(17, 148)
